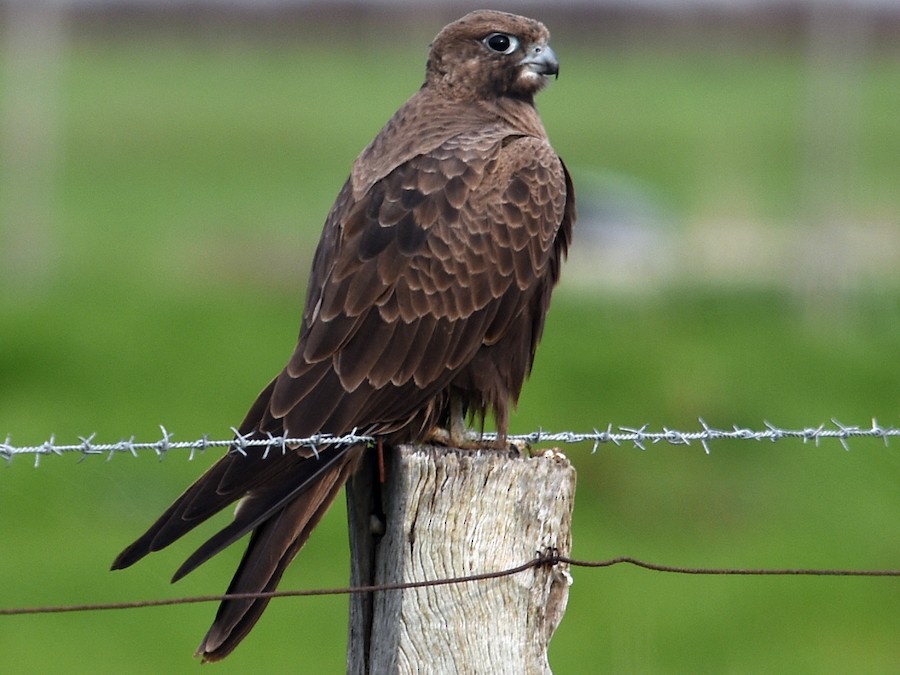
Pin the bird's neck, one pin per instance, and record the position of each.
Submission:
(517, 113)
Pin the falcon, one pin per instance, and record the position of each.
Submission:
(425, 304)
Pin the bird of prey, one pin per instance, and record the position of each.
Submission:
(425, 303)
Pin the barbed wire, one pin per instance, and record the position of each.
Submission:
(543, 559)
(639, 437)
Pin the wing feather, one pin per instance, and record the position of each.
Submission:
(357, 359)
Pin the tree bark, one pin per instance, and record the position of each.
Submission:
(445, 513)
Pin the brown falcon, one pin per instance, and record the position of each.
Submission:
(425, 303)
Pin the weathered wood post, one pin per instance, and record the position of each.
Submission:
(446, 513)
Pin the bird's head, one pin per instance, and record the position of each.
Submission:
(488, 54)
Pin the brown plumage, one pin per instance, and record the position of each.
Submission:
(426, 302)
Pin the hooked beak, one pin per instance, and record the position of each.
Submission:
(541, 60)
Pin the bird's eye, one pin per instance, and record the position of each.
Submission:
(501, 43)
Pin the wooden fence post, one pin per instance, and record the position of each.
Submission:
(444, 513)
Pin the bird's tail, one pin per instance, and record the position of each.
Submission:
(272, 546)
(282, 498)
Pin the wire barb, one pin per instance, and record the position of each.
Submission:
(639, 437)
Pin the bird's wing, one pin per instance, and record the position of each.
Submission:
(438, 259)
(446, 255)
(434, 262)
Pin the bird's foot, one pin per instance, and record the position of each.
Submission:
(464, 439)
(520, 447)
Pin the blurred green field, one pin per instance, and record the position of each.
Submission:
(193, 181)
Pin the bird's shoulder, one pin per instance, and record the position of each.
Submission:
(429, 123)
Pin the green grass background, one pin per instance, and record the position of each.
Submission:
(193, 180)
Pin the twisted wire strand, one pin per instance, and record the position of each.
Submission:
(638, 437)
(543, 559)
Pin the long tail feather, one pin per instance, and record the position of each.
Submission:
(263, 504)
(273, 545)
(174, 523)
